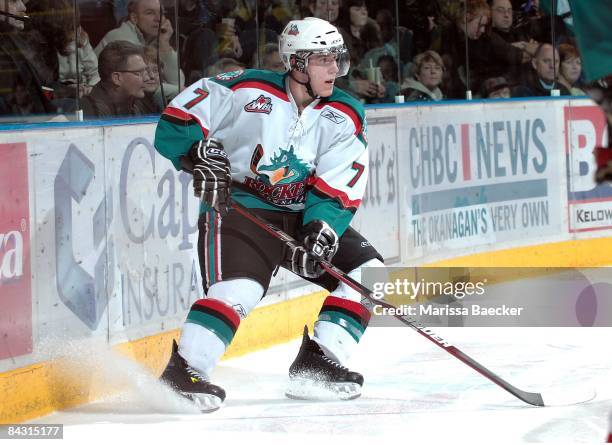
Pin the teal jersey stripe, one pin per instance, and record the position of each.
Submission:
(213, 324)
(349, 324)
(173, 141)
(271, 77)
(328, 210)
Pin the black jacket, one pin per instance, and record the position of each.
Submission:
(98, 104)
(21, 63)
(532, 87)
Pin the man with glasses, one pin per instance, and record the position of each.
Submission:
(123, 73)
(141, 28)
(502, 20)
(291, 147)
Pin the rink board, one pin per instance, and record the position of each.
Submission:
(99, 243)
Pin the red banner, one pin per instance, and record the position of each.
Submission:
(15, 275)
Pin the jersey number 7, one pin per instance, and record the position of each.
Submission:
(201, 95)
(360, 168)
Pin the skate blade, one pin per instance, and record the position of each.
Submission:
(307, 389)
(206, 403)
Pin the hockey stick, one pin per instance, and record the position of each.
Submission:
(532, 398)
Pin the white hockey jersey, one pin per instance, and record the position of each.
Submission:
(316, 162)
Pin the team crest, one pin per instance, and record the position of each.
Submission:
(282, 180)
(262, 104)
(293, 30)
(230, 75)
(333, 116)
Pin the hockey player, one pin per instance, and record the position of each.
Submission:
(292, 148)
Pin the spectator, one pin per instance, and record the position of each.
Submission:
(389, 70)
(52, 31)
(224, 65)
(362, 34)
(24, 75)
(123, 73)
(87, 71)
(425, 84)
(496, 88)
(421, 18)
(152, 102)
(502, 17)
(389, 45)
(97, 17)
(571, 69)
(489, 54)
(256, 26)
(325, 9)
(19, 102)
(361, 31)
(538, 25)
(541, 79)
(270, 59)
(141, 28)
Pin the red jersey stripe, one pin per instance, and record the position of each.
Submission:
(182, 115)
(261, 86)
(328, 190)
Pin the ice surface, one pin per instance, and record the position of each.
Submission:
(414, 392)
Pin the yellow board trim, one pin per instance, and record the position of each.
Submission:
(40, 389)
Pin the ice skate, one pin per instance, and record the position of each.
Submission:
(313, 375)
(191, 384)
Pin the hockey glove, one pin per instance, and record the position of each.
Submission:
(211, 175)
(319, 242)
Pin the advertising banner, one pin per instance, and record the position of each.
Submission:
(589, 204)
(479, 179)
(15, 275)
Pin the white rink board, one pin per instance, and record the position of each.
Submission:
(113, 224)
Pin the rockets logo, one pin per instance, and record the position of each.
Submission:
(262, 104)
(282, 181)
(293, 30)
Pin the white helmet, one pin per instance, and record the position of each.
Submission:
(302, 38)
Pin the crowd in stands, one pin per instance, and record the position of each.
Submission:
(130, 57)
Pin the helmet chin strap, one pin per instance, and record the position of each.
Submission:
(307, 85)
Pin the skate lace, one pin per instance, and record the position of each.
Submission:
(196, 374)
(335, 364)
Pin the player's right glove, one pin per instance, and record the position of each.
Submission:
(211, 174)
(319, 242)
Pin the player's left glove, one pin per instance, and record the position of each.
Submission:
(319, 242)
